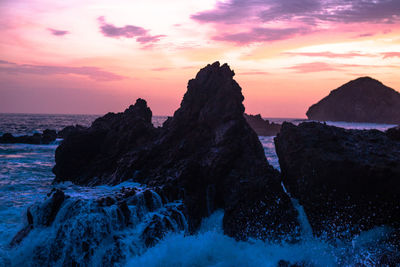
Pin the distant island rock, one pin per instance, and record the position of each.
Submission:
(262, 127)
(361, 100)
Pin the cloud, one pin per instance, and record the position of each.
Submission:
(6, 62)
(57, 32)
(366, 34)
(239, 11)
(255, 72)
(327, 54)
(161, 69)
(390, 54)
(90, 72)
(260, 35)
(314, 67)
(322, 66)
(311, 14)
(149, 39)
(128, 31)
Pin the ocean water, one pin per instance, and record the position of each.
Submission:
(26, 177)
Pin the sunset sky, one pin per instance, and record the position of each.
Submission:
(99, 56)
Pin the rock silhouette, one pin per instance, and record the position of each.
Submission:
(361, 100)
(90, 155)
(206, 154)
(348, 181)
(47, 137)
(262, 127)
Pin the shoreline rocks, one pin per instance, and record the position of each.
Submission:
(262, 127)
(348, 181)
(361, 100)
(45, 138)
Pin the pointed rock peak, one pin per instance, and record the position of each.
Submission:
(212, 97)
(140, 109)
(215, 69)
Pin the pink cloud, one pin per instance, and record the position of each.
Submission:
(390, 54)
(328, 54)
(314, 67)
(255, 72)
(161, 69)
(128, 31)
(94, 73)
(322, 66)
(260, 35)
(305, 16)
(57, 32)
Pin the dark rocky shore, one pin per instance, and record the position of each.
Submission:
(45, 138)
(348, 181)
(361, 100)
(206, 158)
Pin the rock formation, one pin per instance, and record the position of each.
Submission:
(394, 133)
(69, 129)
(360, 100)
(262, 127)
(92, 231)
(90, 156)
(206, 154)
(347, 180)
(47, 137)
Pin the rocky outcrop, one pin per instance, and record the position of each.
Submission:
(347, 180)
(361, 100)
(206, 154)
(47, 137)
(69, 130)
(95, 231)
(394, 133)
(90, 155)
(262, 127)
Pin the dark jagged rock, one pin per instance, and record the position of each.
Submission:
(394, 133)
(206, 154)
(347, 180)
(90, 156)
(208, 149)
(70, 129)
(361, 100)
(93, 231)
(47, 137)
(262, 127)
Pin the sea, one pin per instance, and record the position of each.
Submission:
(26, 178)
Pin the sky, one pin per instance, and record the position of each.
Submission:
(96, 56)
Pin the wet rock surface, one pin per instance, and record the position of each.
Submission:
(74, 231)
(262, 127)
(206, 154)
(47, 137)
(347, 180)
(361, 100)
